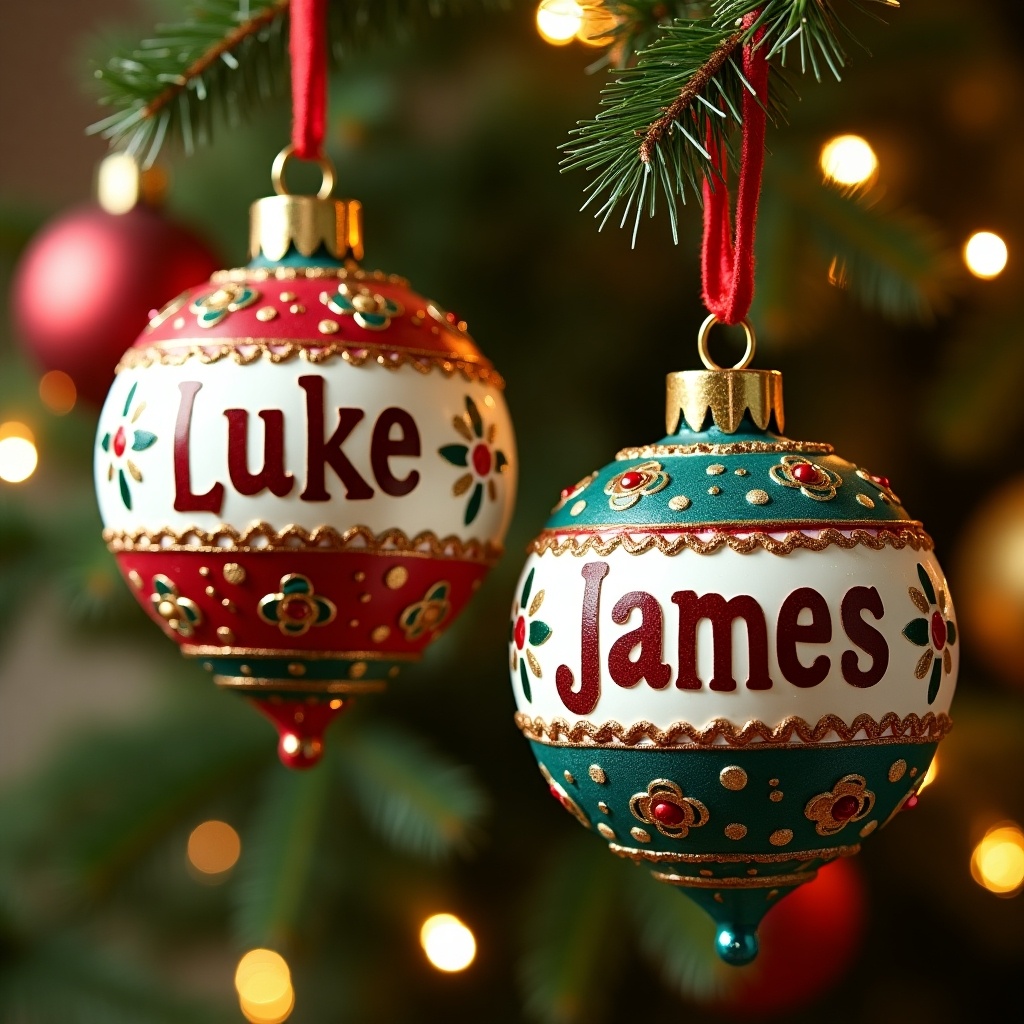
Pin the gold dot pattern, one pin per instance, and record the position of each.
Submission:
(234, 573)
(758, 496)
(735, 831)
(380, 634)
(781, 837)
(641, 835)
(569, 777)
(357, 670)
(396, 577)
(897, 770)
(733, 777)
(606, 830)
(680, 503)
(596, 773)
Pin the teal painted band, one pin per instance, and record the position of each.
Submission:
(720, 814)
(721, 496)
(293, 258)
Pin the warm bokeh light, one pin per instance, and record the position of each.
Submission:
(57, 392)
(849, 160)
(18, 455)
(597, 26)
(448, 943)
(985, 255)
(997, 863)
(931, 775)
(264, 985)
(213, 847)
(558, 21)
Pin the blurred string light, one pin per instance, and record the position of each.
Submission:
(931, 775)
(849, 160)
(57, 392)
(997, 863)
(558, 21)
(598, 26)
(448, 943)
(264, 985)
(18, 455)
(214, 849)
(985, 254)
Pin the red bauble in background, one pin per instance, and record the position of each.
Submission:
(807, 944)
(88, 281)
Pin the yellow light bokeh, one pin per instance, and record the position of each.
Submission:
(931, 775)
(18, 455)
(997, 863)
(214, 847)
(57, 392)
(849, 160)
(264, 985)
(448, 943)
(597, 26)
(558, 21)
(985, 255)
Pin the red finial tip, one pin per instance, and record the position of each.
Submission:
(300, 725)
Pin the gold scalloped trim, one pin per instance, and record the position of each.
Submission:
(244, 351)
(755, 733)
(732, 448)
(261, 536)
(758, 882)
(894, 535)
(349, 272)
(638, 855)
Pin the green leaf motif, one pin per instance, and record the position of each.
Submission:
(456, 454)
(438, 593)
(916, 632)
(474, 417)
(527, 587)
(926, 583)
(950, 632)
(296, 585)
(128, 400)
(475, 501)
(524, 678)
(143, 439)
(500, 461)
(539, 632)
(126, 495)
(105, 443)
(933, 683)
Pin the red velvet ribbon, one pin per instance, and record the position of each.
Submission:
(308, 49)
(728, 266)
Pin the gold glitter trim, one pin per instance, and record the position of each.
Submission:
(300, 686)
(261, 536)
(346, 273)
(765, 882)
(672, 857)
(730, 448)
(754, 734)
(896, 535)
(204, 650)
(177, 352)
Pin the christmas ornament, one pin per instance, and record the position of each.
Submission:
(305, 469)
(89, 280)
(989, 573)
(733, 654)
(809, 941)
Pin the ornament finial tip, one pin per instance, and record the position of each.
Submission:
(736, 946)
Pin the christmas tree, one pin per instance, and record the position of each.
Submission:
(151, 838)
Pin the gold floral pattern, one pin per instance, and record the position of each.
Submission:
(812, 480)
(625, 489)
(665, 807)
(212, 307)
(427, 614)
(180, 613)
(848, 800)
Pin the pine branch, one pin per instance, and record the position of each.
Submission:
(661, 118)
(226, 60)
(418, 801)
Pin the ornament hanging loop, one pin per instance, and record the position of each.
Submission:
(702, 344)
(281, 162)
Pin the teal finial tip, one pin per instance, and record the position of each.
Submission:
(736, 947)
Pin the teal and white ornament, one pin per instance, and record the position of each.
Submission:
(733, 654)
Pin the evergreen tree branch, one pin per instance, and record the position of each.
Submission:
(685, 88)
(224, 60)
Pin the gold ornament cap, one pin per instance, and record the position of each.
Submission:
(728, 393)
(308, 224)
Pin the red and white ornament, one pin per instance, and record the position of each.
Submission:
(305, 470)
